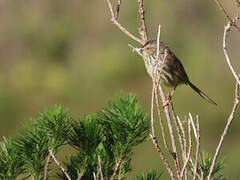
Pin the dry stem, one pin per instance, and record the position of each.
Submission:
(117, 167)
(233, 23)
(143, 28)
(227, 29)
(120, 26)
(59, 165)
(100, 167)
(231, 117)
(164, 160)
(197, 150)
(47, 167)
(118, 8)
(187, 157)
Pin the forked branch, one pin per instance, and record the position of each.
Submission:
(142, 29)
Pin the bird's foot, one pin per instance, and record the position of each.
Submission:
(169, 98)
(166, 103)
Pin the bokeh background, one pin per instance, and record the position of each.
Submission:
(69, 53)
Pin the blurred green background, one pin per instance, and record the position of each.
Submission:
(69, 53)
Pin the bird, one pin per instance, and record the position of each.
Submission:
(170, 68)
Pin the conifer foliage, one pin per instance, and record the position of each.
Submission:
(101, 143)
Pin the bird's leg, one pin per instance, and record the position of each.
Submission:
(169, 97)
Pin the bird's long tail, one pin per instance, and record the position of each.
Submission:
(201, 93)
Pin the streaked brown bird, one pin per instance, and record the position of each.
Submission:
(172, 71)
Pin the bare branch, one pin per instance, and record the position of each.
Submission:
(118, 8)
(59, 165)
(171, 132)
(117, 167)
(164, 160)
(197, 150)
(227, 29)
(161, 122)
(100, 167)
(233, 23)
(79, 176)
(120, 26)
(143, 28)
(183, 135)
(94, 176)
(47, 167)
(231, 117)
(152, 108)
(135, 49)
(189, 150)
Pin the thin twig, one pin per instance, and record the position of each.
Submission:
(231, 117)
(197, 151)
(164, 160)
(47, 167)
(180, 138)
(97, 172)
(161, 122)
(178, 129)
(59, 165)
(184, 143)
(183, 135)
(174, 153)
(196, 137)
(117, 168)
(135, 49)
(100, 167)
(118, 8)
(227, 29)
(233, 23)
(79, 176)
(193, 169)
(189, 150)
(171, 132)
(143, 28)
(152, 109)
(120, 26)
(94, 176)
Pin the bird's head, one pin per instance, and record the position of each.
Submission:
(150, 48)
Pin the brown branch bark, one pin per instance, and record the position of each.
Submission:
(171, 132)
(233, 23)
(163, 158)
(47, 166)
(189, 150)
(143, 28)
(59, 165)
(120, 26)
(116, 168)
(100, 167)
